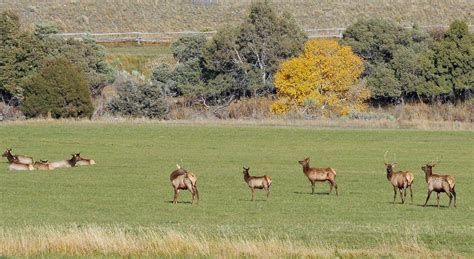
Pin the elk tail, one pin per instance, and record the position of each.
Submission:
(332, 170)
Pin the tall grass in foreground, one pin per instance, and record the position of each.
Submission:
(124, 241)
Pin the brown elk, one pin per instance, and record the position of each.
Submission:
(43, 165)
(400, 180)
(15, 166)
(439, 183)
(319, 175)
(16, 158)
(257, 182)
(184, 180)
(84, 161)
(66, 163)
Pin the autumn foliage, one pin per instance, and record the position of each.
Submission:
(322, 80)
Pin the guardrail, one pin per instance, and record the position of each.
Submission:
(157, 37)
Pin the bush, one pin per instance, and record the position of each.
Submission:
(58, 89)
(138, 100)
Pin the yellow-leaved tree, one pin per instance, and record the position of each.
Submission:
(324, 79)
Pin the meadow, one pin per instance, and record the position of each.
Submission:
(122, 205)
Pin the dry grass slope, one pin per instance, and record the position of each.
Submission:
(179, 15)
(125, 241)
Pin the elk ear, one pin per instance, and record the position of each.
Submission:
(386, 164)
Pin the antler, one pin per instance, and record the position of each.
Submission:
(385, 157)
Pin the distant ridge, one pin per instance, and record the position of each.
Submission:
(200, 15)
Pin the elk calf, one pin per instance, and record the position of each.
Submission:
(319, 175)
(43, 165)
(16, 158)
(20, 167)
(439, 183)
(84, 161)
(399, 180)
(257, 182)
(66, 163)
(184, 180)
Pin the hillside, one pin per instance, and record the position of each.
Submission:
(180, 15)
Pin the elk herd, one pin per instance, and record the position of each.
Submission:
(26, 163)
(182, 179)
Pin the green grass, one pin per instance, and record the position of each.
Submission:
(130, 186)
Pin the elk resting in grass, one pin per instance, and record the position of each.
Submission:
(184, 180)
(84, 161)
(66, 163)
(20, 167)
(399, 180)
(43, 165)
(257, 182)
(17, 158)
(439, 183)
(319, 175)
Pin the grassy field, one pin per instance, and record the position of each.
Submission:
(121, 206)
(142, 58)
(180, 15)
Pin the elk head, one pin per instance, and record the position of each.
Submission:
(7, 152)
(246, 170)
(304, 162)
(391, 165)
(429, 166)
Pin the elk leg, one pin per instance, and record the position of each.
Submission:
(411, 194)
(401, 195)
(176, 193)
(312, 187)
(196, 192)
(427, 198)
(437, 198)
(394, 194)
(253, 194)
(450, 198)
(267, 189)
(454, 195)
(330, 186)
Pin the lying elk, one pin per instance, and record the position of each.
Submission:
(439, 183)
(399, 180)
(43, 165)
(183, 180)
(257, 182)
(66, 163)
(17, 158)
(15, 166)
(319, 175)
(84, 161)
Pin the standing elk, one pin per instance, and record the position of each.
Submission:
(16, 158)
(319, 175)
(257, 182)
(15, 166)
(43, 165)
(183, 180)
(400, 180)
(439, 183)
(84, 161)
(66, 163)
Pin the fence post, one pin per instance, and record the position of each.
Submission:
(139, 38)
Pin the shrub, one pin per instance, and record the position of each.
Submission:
(138, 100)
(58, 89)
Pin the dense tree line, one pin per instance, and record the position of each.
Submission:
(263, 56)
(49, 76)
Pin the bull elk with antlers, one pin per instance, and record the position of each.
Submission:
(183, 180)
(439, 183)
(315, 174)
(17, 158)
(400, 180)
(257, 182)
